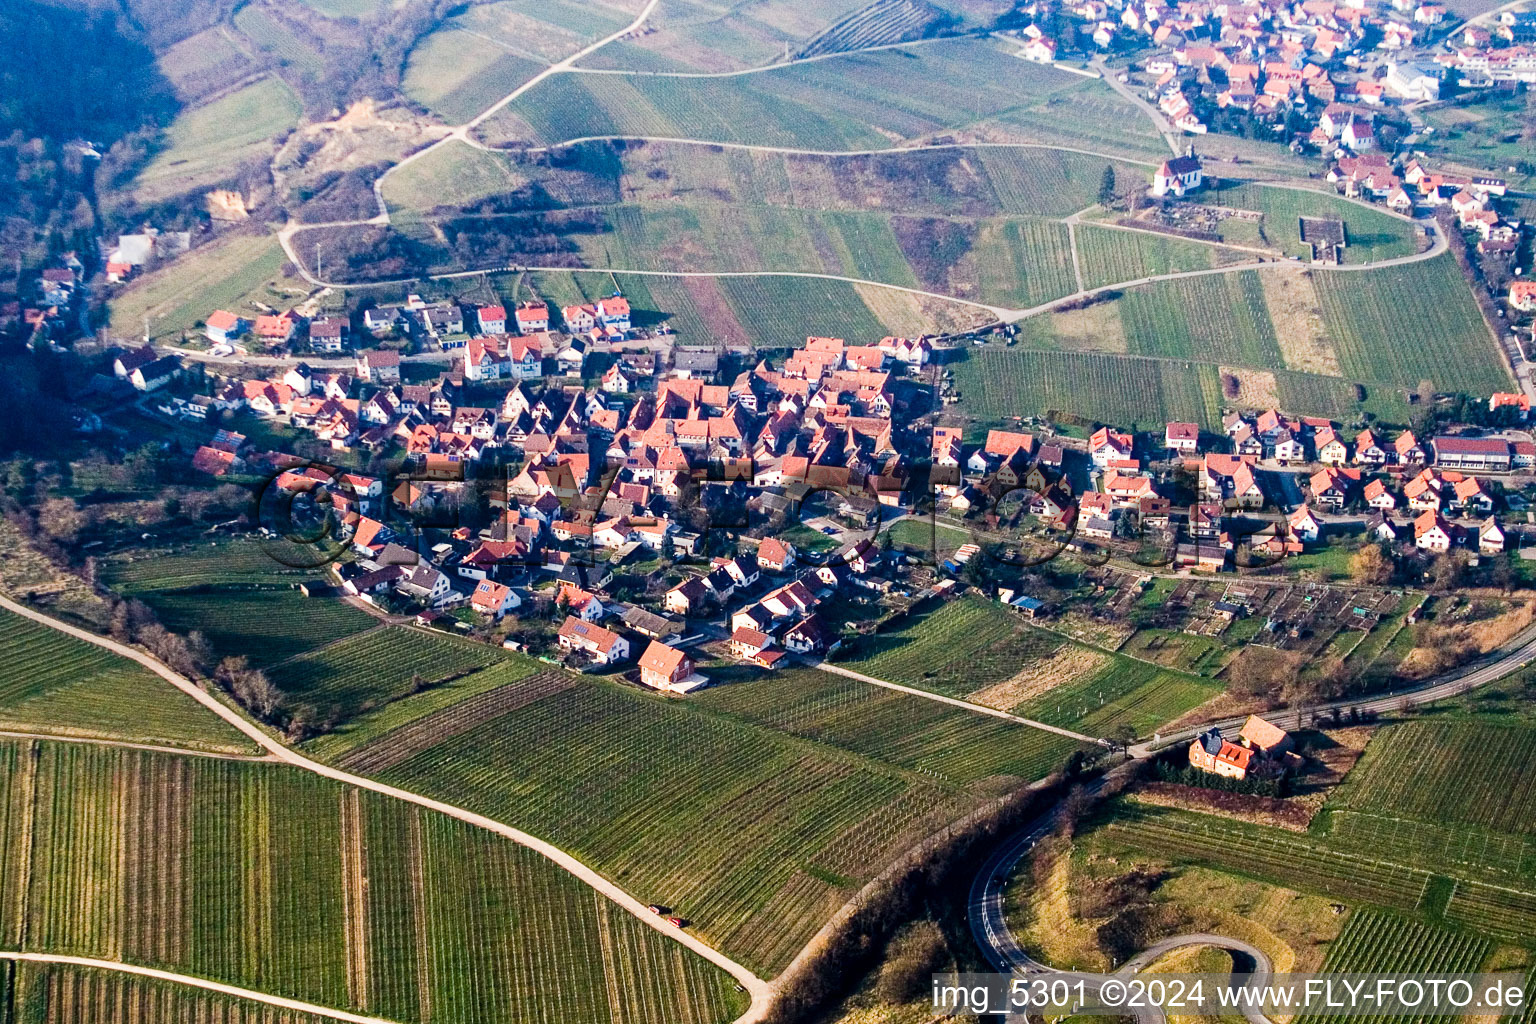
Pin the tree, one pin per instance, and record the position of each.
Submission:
(61, 519)
(1371, 566)
(1107, 188)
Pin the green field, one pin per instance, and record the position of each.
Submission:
(53, 683)
(1371, 233)
(377, 667)
(1220, 318)
(996, 383)
(205, 144)
(953, 648)
(457, 74)
(1126, 693)
(267, 626)
(1109, 255)
(224, 274)
(859, 101)
(1482, 136)
(221, 562)
(453, 174)
(1297, 862)
(1456, 793)
(920, 735)
(1386, 943)
(278, 880)
(756, 832)
(762, 312)
(1410, 324)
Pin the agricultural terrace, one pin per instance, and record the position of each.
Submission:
(953, 745)
(1297, 862)
(1111, 255)
(376, 667)
(1383, 943)
(457, 73)
(53, 683)
(761, 312)
(953, 648)
(58, 994)
(957, 181)
(1410, 324)
(1372, 233)
(716, 35)
(1220, 319)
(853, 102)
(1125, 693)
(215, 564)
(1448, 792)
(1364, 338)
(1381, 876)
(265, 625)
(1003, 262)
(278, 880)
(204, 142)
(1136, 393)
(465, 693)
(755, 835)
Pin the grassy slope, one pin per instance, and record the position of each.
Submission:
(52, 683)
(220, 275)
(750, 830)
(1409, 324)
(205, 143)
(860, 101)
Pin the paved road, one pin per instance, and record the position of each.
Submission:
(989, 925)
(461, 132)
(759, 990)
(1171, 135)
(1520, 652)
(988, 922)
(194, 982)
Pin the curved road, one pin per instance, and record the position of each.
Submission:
(759, 990)
(1438, 245)
(985, 908)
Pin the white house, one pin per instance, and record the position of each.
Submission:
(493, 599)
(223, 327)
(1432, 533)
(1304, 525)
(604, 646)
(492, 319)
(427, 584)
(485, 358)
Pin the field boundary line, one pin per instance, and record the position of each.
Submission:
(758, 69)
(798, 151)
(462, 131)
(966, 705)
(758, 989)
(154, 748)
(283, 1002)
